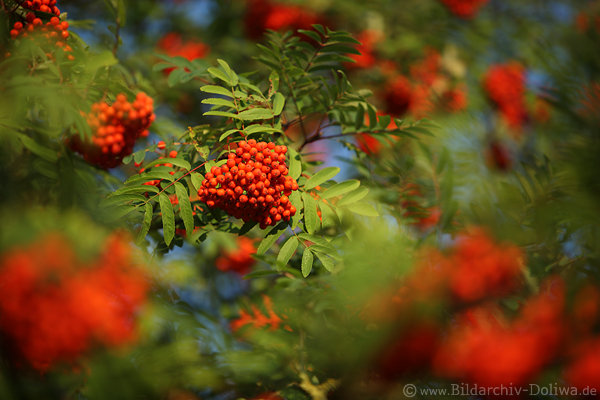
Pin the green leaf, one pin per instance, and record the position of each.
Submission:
(180, 162)
(340, 188)
(384, 121)
(354, 196)
(122, 199)
(311, 219)
(322, 176)
(252, 87)
(218, 73)
(307, 262)
(148, 176)
(176, 76)
(328, 249)
(328, 215)
(254, 128)
(161, 66)
(134, 189)
(295, 169)
(359, 117)
(261, 273)
(372, 116)
(319, 28)
(38, 149)
(196, 180)
(247, 227)
(278, 103)
(270, 238)
(185, 207)
(340, 48)
(363, 208)
(138, 156)
(228, 133)
(219, 102)
(233, 78)
(255, 113)
(274, 79)
(311, 34)
(146, 223)
(327, 262)
(168, 218)
(221, 114)
(287, 250)
(313, 239)
(296, 201)
(216, 90)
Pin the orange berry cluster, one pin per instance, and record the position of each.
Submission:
(240, 259)
(115, 128)
(45, 6)
(464, 8)
(56, 306)
(250, 185)
(54, 31)
(505, 85)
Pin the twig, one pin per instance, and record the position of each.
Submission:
(117, 30)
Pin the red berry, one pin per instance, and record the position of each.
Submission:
(250, 185)
(112, 136)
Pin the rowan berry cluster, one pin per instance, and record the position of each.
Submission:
(267, 14)
(464, 8)
(115, 128)
(505, 86)
(240, 259)
(55, 306)
(428, 86)
(54, 31)
(253, 185)
(45, 6)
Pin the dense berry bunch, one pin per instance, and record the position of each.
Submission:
(55, 306)
(115, 128)
(266, 14)
(430, 85)
(240, 259)
(454, 99)
(464, 8)
(476, 268)
(45, 6)
(398, 96)
(584, 371)
(482, 347)
(505, 86)
(253, 185)
(54, 32)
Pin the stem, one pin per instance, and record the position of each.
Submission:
(117, 30)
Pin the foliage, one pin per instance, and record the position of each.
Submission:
(298, 201)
